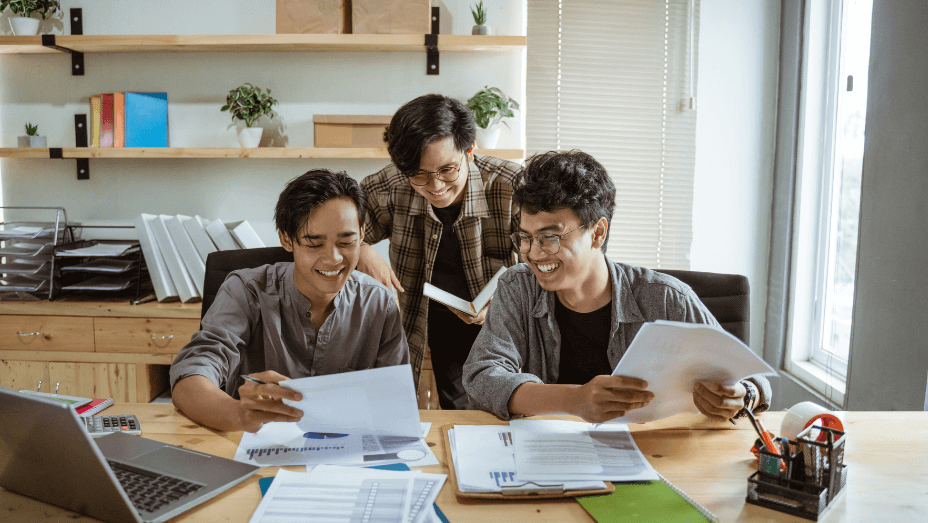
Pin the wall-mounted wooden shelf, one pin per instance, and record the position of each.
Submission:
(225, 152)
(260, 43)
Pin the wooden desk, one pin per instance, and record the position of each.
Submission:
(887, 456)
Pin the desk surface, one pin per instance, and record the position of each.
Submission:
(886, 454)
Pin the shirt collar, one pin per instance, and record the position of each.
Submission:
(475, 199)
(299, 299)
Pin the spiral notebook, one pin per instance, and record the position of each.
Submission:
(644, 501)
(95, 406)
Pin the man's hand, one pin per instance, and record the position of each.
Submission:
(373, 264)
(608, 397)
(718, 402)
(476, 320)
(260, 404)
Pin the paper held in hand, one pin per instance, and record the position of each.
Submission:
(471, 308)
(672, 356)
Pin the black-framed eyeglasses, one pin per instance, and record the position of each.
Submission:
(549, 243)
(447, 174)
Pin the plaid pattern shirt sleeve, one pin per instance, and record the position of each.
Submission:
(395, 211)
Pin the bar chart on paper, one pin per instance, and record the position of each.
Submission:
(282, 454)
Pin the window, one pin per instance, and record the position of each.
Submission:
(831, 143)
(617, 80)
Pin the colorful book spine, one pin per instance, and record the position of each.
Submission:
(95, 120)
(146, 117)
(106, 120)
(95, 406)
(119, 120)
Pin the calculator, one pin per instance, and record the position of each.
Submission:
(102, 425)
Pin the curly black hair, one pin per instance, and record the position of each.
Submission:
(425, 120)
(573, 180)
(310, 190)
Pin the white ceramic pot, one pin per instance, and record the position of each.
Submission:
(487, 138)
(33, 141)
(249, 137)
(24, 26)
(481, 30)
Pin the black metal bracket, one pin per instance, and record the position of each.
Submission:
(431, 46)
(80, 140)
(77, 58)
(77, 21)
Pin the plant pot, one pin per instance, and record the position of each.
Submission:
(481, 30)
(33, 141)
(24, 26)
(249, 137)
(487, 138)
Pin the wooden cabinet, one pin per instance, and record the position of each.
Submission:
(101, 349)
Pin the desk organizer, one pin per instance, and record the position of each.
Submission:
(815, 474)
(123, 273)
(27, 238)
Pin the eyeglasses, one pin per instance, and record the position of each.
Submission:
(446, 174)
(549, 243)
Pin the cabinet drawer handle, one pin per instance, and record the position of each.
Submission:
(28, 333)
(168, 337)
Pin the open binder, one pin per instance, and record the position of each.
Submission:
(527, 490)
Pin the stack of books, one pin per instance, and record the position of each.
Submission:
(129, 120)
(176, 247)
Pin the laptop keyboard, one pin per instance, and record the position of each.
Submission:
(149, 490)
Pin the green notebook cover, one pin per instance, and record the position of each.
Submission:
(645, 501)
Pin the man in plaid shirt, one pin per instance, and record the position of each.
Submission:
(448, 214)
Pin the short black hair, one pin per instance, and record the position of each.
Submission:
(423, 121)
(572, 180)
(310, 190)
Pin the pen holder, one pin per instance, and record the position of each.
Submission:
(815, 474)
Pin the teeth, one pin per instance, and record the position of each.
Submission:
(548, 267)
(438, 193)
(329, 274)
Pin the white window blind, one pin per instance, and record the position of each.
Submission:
(614, 79)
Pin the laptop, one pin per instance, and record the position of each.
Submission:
(46, 454)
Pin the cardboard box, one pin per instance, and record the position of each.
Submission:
(391, 16)
(313, 16)
(349, 130)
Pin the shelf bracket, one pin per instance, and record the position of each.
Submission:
(431, 46)
(77, 21)
(80, 140)
(77, 59)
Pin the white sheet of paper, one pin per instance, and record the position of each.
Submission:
(297, 496)
(378, 401)
(553, 448)
(612, 448)
(672, 356)
(470, 308)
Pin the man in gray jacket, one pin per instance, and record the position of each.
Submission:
(559, 323)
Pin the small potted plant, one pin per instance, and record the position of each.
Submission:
(249, 103)
(23, 23)
(32, 139)
(480, 18)
(489, 107)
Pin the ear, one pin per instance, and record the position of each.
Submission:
(600, 228)
(470, 152)
(285, 241)
(362, 234)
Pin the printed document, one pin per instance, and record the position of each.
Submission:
(672, 356)
(471, 308)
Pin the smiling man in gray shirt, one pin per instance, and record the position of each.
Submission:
(311, 317)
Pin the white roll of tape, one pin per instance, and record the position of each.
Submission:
(802, 415)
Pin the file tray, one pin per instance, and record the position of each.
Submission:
(528, 491)
(28, 236)
(100, 266)
(815, 474)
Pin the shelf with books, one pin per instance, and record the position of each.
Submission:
(226, 152)
(261, 43)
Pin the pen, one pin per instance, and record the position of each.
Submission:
(256, 380)
(768, 441)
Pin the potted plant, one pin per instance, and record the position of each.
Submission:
(489, 107)
(480, 18)
(249, 103)
(23, 23)
(32, 139)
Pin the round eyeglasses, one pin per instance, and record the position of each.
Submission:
(447, 174)
(549, 243)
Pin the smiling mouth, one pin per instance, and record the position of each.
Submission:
(547, 268)
(443, 191)
(330, 274)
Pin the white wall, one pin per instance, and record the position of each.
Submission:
(735, 131)
(41, 89)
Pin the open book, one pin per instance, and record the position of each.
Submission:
(471, 308)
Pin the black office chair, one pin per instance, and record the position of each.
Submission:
(220, 263)
(727, 296)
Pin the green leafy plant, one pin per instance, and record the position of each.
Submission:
(45, 8)
(490, 106)
(480, 15)
(248, 103)
(32, 130)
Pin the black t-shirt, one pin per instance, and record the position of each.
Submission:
(448, 272)
(584, 341)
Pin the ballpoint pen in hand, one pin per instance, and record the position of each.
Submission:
(256, 380)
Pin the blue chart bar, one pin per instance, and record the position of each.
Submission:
(275, 451)
(506, 438)
(501, 477)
